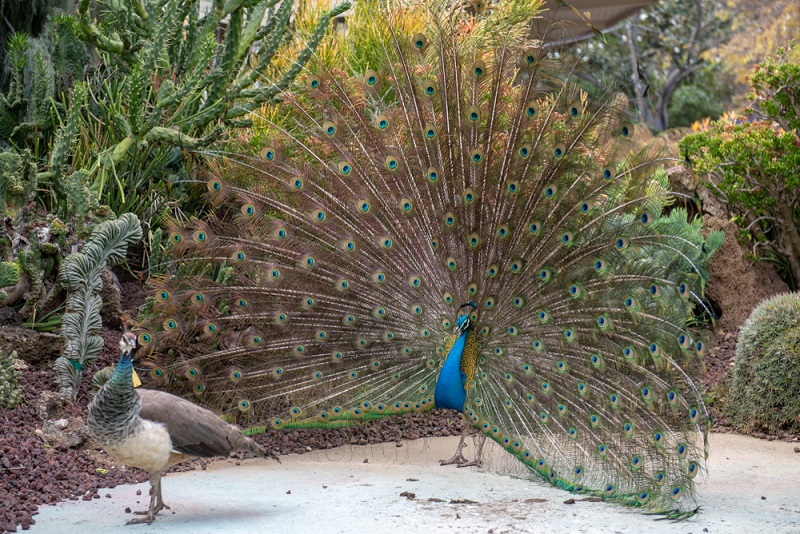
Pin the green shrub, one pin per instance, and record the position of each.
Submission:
(765, 388)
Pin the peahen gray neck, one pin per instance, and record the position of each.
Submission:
(114, 411)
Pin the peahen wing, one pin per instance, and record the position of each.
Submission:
(464, 165)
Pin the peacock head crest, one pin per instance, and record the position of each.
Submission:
(464, 321)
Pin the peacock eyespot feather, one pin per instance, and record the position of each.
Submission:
(626, 130)
(677, 492)
(531, 57)
(469, 196)
(414, 281)
(544, 418)
(420, 41)
(503, 231)
(329, 128)
(524, 151)
(268, 153)
(608, 173)
(345, 167)
(157, 372)
(337, 356)
(386, 243)
(600, 265)
(312, 82)
(343, 285)
(627, 428)
(318, 215)
(170, 324)
(655, 290)
(275, 274)
(474, 114)
(519, 301)
(430, 132)
(363, 206)
(239, 256)
(248, 210)
(684, 290)
(472, 289)
(544, 316)
(449, 218)
(214, 185)
(694, 415)
(163, 295)
(492, 271)
(425, 332)
(583, 389)
(693, 469)
(433, 173)
(479, 69)
(631, 303)
(570, 335)
(646, 218)
(545, 275)
(361, 343)
(308, 302)
(629, 353)
(531, 109)
(176, 238)
(604, 322)
(597, 361)
(476, 156)
(382, 122)
(281, 317)
(550, 191)
(699, 348)
(500, 351)
(537, 345)
(371, 77)
(446, 324)
(513, 187)
(485, 329)
(594, 420)
(559, 150)
(575, 109)
(435, 244)
(621, 243)
(451, 264)
(562, 366)
(534, 227)
(280, 233)
(379, 312)
(391, 163)
(348, 245)
(244, 405)
(405, 205)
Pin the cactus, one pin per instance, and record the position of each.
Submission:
(80, 276)
(764, 388)
(174, 92)
(10, 394)
(17, 182)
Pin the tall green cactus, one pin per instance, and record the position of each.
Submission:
(80, 276)
(178, 86)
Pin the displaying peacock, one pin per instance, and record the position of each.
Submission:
(458, 225)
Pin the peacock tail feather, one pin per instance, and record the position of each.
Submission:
(464, 164)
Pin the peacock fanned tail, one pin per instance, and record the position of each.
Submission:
(464, 164)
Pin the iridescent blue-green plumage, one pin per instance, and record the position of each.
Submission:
(465, 164)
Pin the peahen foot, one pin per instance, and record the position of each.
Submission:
(156, 503)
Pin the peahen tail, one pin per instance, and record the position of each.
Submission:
(463, 164)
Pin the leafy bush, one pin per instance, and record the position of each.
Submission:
(765, 389)
(752, 164)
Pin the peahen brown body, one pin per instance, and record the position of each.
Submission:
(154, 430)
(457, 225)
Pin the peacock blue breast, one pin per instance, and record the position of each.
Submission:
(450, 385)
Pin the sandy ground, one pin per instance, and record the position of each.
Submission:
(751, 486)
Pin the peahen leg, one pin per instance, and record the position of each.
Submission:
(156, 503)
(458, 458)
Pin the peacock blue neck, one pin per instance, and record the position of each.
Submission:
(450, 386)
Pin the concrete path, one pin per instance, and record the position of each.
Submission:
(752, 486)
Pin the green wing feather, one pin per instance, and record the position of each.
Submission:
(464, 166)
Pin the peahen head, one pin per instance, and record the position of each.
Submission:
(127, 344)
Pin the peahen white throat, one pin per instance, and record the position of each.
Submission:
(464, 165)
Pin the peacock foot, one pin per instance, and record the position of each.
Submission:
(149, 518)
(457, 459)
(474, 463)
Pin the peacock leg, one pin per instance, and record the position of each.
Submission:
(477, 461)
(458, 457)
(150, 513)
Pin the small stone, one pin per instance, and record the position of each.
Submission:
(108, 495)
(763, 498)
(569, 501)
(127, 510)
(288, 492)
(366, 461)
(797, 449)
(138, 492)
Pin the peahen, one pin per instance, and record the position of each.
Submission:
(457, 225)
(154, 430)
